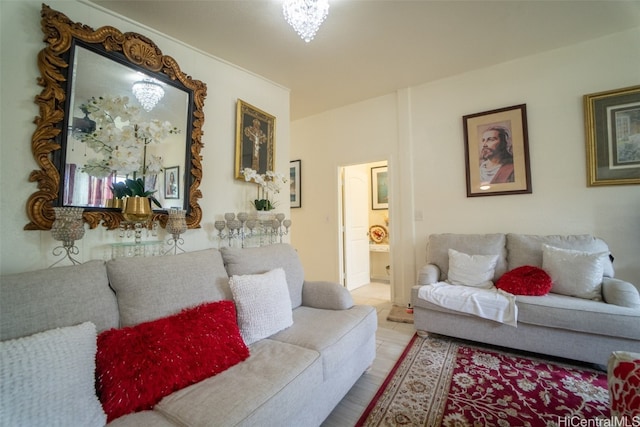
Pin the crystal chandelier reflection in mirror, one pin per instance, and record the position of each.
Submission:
(305, 16)
(148, 93)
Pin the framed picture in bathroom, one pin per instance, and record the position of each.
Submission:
(379, 188)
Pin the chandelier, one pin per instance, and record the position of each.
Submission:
(148, 93)
(305, 16)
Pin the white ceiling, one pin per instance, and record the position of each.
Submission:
(368, 48)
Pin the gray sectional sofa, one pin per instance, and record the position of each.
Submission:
(293, 377)
(560, 325)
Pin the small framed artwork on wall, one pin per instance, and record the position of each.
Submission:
(379, 188)
(295, 182)
(255, 145)
(496, 149)
(172, 182)
(612, 125)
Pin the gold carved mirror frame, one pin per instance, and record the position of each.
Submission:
(48, 144)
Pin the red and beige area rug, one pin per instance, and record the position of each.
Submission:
(443, 382)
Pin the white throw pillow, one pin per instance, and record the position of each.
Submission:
(471, 270)
(574, 273)
(48, 379)
(263, 304)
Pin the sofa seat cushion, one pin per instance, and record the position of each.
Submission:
(563, 312)
(144, 418)
(335, 334)
(142, 284)
(261, 388)
(475, 244)
(64, 296)
(524, 249)
(577, 314)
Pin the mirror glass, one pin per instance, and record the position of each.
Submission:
(111, 136)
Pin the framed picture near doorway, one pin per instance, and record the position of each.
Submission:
(612, 124)
(295, 182)
(255, 145)
(496, 149)
(379, 188)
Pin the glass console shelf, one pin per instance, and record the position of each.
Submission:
(142, 249)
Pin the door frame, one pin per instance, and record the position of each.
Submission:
(341, 226)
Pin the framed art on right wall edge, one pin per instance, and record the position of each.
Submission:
(612, 128)
(295, 183)
(496, 148)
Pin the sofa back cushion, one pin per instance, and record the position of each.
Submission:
(155, 287)
(523, 249)
(37, 301)
(472, 244)
(266, 258)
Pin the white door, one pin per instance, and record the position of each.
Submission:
(356, 226)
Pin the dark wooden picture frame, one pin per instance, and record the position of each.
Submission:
(496, 149)
(379, 188)
(255, 145)
(612, 128)
(295, 183)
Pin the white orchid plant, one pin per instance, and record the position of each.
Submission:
(120, 138)
(267, 182)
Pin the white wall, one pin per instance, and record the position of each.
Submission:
(420, 131)
(21, 39)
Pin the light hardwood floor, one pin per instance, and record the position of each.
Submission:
(391, 340)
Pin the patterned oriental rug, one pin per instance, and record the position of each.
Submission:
(443, 382)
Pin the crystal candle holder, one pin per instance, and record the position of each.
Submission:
(67, 228)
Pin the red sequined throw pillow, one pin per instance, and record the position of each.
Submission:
(525, 280)
(139, 365)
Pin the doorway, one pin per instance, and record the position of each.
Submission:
(364, 228)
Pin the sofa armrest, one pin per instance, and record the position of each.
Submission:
(428, 274)
(326, 295)
(619, 292)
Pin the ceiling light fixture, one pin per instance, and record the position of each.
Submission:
(305, 16)
(148, 93)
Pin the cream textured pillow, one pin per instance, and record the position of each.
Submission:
(574, 273)
(471, 270)
(48, 379)
(263, 304)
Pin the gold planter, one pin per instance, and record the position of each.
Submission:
(136, 208)
(113, 203)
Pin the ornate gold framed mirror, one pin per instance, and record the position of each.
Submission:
(112, 107)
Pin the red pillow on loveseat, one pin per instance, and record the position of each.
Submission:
(139, 365)
(525, 280)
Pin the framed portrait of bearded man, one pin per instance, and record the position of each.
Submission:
(255, 145)
(496, 148)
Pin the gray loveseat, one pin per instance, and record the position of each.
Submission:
(559, 325)
(294, 377)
